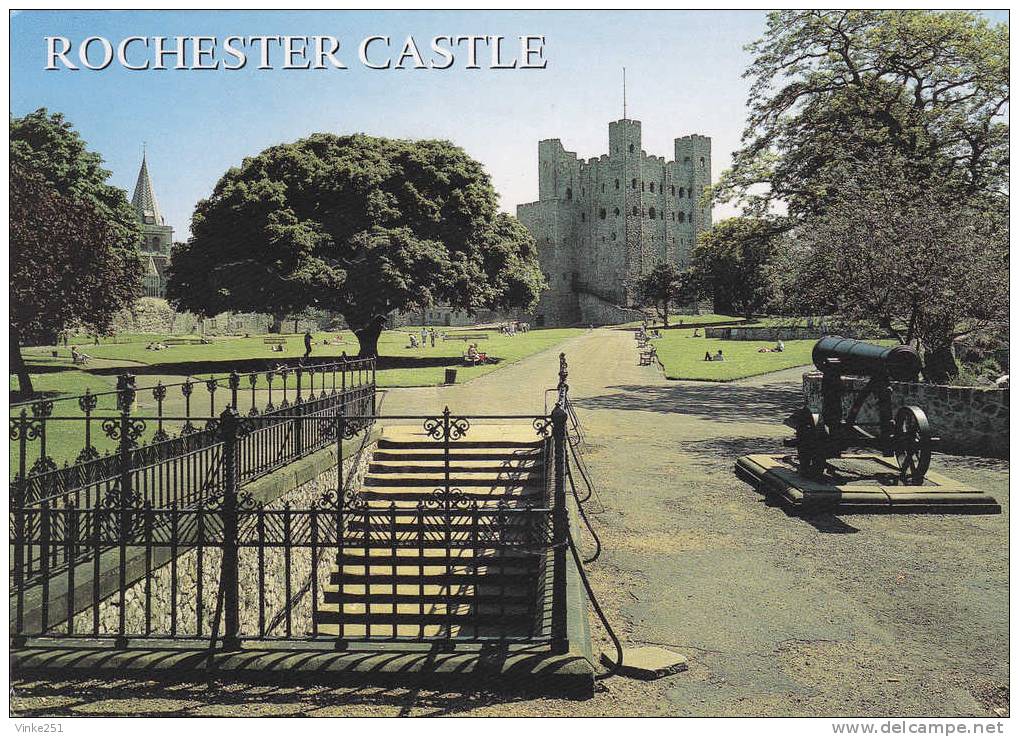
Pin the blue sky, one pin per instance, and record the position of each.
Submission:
(683, 71)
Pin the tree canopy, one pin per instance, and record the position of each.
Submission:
(838, 84)
(66, 266)
(74, 237)
(664, 286)
(734, 263)
(358, 225)
(908, 255)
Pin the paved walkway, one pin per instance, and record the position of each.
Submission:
(874, 614)
(850, 615)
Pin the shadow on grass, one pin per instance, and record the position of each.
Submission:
(249, 365)
(708, 401)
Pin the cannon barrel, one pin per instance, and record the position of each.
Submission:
(900, 362)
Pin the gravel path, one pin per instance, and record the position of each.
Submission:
(874, 615)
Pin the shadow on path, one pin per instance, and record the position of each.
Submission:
(718, 402)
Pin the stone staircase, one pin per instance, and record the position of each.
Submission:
(407, 581)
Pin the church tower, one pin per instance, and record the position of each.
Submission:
(157, 236)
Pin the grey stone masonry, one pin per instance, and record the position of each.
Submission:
(969, 420)
(602, 223)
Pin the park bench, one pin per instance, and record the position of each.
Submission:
(465, 336)
(276, 343)
(647, 357)
(468, 361)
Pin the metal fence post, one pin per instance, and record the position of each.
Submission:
(234, 382)
(228, 431)
(560, 531)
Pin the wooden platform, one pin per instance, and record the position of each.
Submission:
(860, 483)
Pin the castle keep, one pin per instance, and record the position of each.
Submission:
(602, 223)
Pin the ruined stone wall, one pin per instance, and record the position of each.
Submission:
(602, 223)
(969, 421)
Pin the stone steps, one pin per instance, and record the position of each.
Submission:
(425, 588)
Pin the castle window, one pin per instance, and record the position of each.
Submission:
(617, 185)
(582, 192)
(651, 213)
(663, 214)
(642, 186)
(583, 217)
(633, 184)
(682, 217)
(672, 190)
(631, 148)
(634, 209)
(601, 214)
(682, 191)
(569, 194)
(673, 216)
(686, 159)
(652, 187)
(616, 212)
(613, 236)
(702, 162)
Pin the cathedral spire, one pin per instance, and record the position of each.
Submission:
(144, 198)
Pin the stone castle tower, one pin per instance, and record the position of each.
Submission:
(602, 223)
(157, 235)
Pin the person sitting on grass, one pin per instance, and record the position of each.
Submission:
(779, 346)
(472, 354)
(696, 333)
(707, 356)
(719, 356)
(78, 357)
(413, 341)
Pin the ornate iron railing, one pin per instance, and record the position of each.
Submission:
(182, 468)
(224, 568)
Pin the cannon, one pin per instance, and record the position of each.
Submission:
(904, 434)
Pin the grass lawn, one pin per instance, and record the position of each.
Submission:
(683, 356)
(398, 365)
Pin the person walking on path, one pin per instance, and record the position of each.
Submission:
(307, 344)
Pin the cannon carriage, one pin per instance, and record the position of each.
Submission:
(904, 433)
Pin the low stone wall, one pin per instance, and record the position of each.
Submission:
(300, 497)
(770, 334)
(969, 421)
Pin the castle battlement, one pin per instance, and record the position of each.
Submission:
(602, 222)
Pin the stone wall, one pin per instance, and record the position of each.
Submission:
(763, 333)
(156, 316)
(969, 421)
(604, 221)
(275, 587)
(599, 312)
(780, 332)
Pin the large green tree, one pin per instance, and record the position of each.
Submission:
(916, 258)
(358, 225)
(68, 267)
(663, 287)
(74, 238)
(734, 263)
(841, 84)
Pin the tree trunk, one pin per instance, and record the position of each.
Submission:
(368, 338)
(277, 323)
(939, 365)
(665, 314)
(25, 389)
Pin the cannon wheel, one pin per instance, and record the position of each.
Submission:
(809, 444)
(912, 444)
